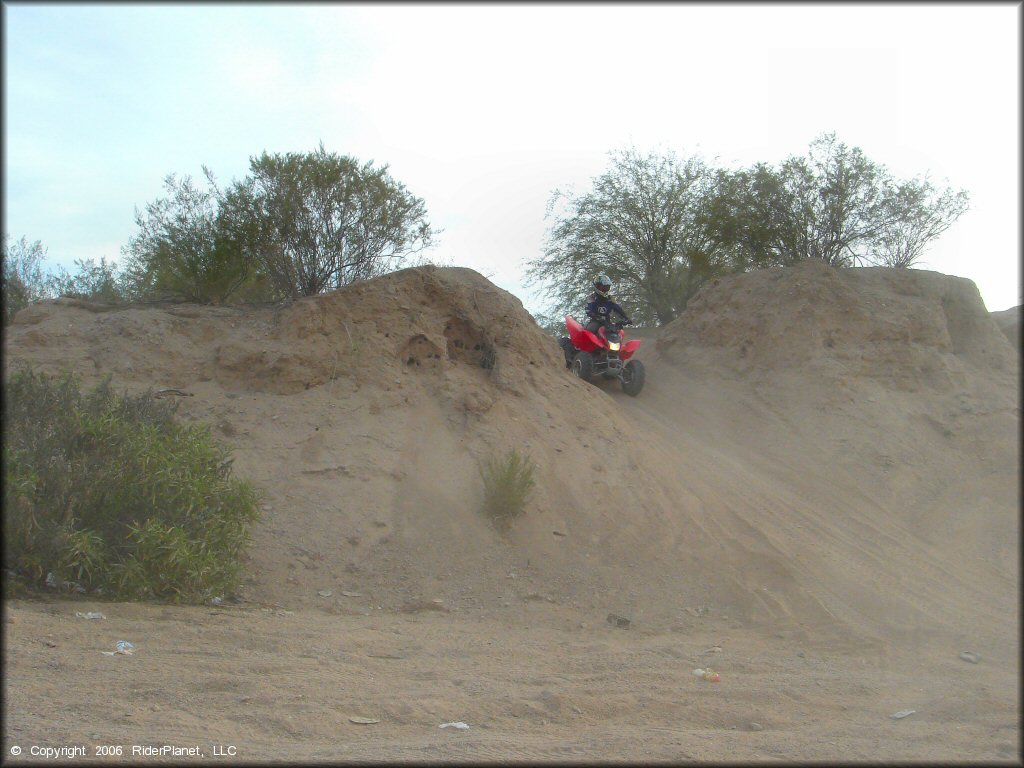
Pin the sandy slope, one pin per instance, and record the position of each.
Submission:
(821, 478)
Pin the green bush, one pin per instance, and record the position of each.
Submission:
(23, 278)
(508, 481)
(92, 281)
(112, 493)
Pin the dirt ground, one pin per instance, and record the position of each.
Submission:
(816, 495)
(534, 681)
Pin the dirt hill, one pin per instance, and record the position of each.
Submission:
(1009, 323)
(883, 405)
(824, 456)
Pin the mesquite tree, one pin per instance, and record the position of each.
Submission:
(297, 225)
(834, 204)
(642, 224)
(24, 280)
(181, 248)
(919, 213)
(315, 221)
(661, 227)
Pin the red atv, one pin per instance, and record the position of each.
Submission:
(605, 353)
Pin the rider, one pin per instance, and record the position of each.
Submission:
(599, 309)
(600, 305)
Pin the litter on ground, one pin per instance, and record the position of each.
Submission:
(123, 647)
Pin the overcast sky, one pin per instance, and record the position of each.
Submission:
(484, 110)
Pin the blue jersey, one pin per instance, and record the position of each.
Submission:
(600, 307)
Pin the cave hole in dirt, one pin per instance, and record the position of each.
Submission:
(467, 344)
(420, 351)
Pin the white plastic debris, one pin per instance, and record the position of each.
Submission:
(902, 713)
(459, 725)
(325, 592)
(90, 615)
(707, 674)
(123, 647)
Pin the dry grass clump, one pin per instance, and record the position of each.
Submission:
(508, 481)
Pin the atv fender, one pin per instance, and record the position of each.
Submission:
(629, 348)
(581, 338)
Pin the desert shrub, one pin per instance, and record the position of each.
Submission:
(112, 493)
(181, 249)
(508, 481)
(312, 222)
(23, 278)
(98, 282)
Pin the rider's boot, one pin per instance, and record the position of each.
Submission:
(567, 350)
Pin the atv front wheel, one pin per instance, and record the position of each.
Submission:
(567, 349)
(633, 377)
(583, 365)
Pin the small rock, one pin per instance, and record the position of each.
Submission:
(618, 621)
(325, 593)
(756, 727)
(973, 658)
(363, 720)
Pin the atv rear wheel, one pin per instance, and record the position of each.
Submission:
(633, 377)
(583, 365)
